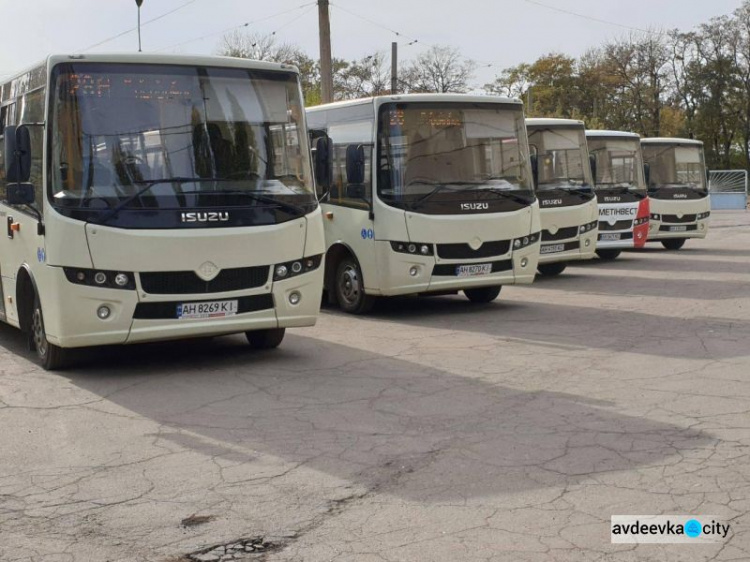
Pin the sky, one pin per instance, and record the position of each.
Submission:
(494, 33)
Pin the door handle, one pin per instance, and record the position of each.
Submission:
(12, 227)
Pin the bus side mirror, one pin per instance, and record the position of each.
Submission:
(647, 173)
(535, 170)
(17, 154)
(324, 162)
(19, 194)
(592, 162)
(355, 164)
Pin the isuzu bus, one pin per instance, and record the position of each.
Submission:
(428, 193)
(677, 189)
(564, 187)
(156, 197)
(617, 167)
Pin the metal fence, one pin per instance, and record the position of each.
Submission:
(728, 189)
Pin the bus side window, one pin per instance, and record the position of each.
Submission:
(3, 111)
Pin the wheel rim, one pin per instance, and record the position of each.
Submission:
(37, 331)
(349, 285)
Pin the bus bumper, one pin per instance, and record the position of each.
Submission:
(660, 230)
(585, 249)
(73, 321)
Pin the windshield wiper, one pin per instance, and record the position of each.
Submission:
(148, 184)
(508, 194)
(289, 207)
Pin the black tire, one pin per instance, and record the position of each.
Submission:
(50, 356)
(483, 295)
(551, 269)
(265, 339)
(608, 255)
(673, 243)
(349, 288)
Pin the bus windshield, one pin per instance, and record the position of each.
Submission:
(618, 164)
(562, 161)
(171, 137)
(675, 166)
(471, 148)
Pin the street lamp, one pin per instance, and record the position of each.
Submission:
(139, 3)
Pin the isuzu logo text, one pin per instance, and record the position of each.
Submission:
(612, 199)
(205, 217)
(474, 206)
(551, 202)
(680, 196)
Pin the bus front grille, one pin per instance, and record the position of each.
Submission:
(168, 310)
(619, 225)
(187, 282)
(464, 251)
(562, 234)
(675, 218)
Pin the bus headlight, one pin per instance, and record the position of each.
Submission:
(588, 227)
(519, 243)
(413, 248)
(640, 221)
(100, 278)
(702, 216)
(297, 267)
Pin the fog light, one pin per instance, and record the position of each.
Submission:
(296, 267)
(121, 279)
(100, 278)
(587, 242)
(294, 298)
(413, 271)
(703, 226)
(103, 312)
(524, 262)
(281, 271)
(425, 249)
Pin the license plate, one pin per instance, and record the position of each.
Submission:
(211, 309)
(552, 248)
(473, 270)
(677, 228)
(609, 236)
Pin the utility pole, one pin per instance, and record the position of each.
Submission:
(326, 65)
(394, 68)
(139, 3)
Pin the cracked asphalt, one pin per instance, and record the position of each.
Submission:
(432, 429)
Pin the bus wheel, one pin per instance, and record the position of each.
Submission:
(350, 288)
(673, 243)
(50, 356)
(265, 339)
(608, 255)
(551, 269)
(483, 295)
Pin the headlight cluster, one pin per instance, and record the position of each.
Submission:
(296, 267)
(702, 216)
(413, 248)
(640, 221)
(588, 227)
(100, 278)
(519, 243)
(655, 217)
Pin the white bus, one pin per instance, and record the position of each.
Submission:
(567, 202)
(676, 178)
(617, 167)
(151, 198)
(429, 193)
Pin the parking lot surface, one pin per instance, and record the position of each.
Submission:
(432, 429)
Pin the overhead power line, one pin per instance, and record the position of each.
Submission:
(308, 5)
(132, 29)
(584, 16)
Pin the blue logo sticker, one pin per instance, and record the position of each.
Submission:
(367, 234)
(693, 528)
(364, 234)
(41, 255)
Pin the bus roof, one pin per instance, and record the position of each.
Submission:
(668, 140)
(185, 60)
(597, 133)
(550, 122)
(417, 98)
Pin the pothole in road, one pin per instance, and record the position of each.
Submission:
(242, 549)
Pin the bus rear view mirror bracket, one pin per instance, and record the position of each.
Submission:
(592, 162)
(647, 173)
